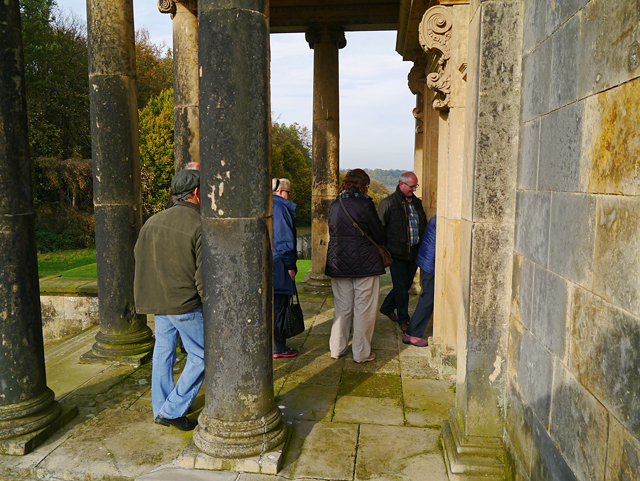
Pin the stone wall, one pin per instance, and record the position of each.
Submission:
(574, 350)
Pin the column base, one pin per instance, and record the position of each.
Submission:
(21, 445)
(135, 360)
(268, 462)
(318, 284)
(471, 458)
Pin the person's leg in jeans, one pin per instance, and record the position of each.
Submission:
(424, 309)
(164, 357)
(366, 294)
(402, 273)
(342, 288)
(190, 326)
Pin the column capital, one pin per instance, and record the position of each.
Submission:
(326, 34)
(169, 6)
(435, 39)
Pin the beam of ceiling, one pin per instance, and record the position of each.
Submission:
(352, 15)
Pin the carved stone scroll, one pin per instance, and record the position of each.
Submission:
(435, 36)
(417, 78)
(167, 6)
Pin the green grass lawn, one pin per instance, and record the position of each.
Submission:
(59, 262)
(82, 264)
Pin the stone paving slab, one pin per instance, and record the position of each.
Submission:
(174, 474)
(329, 452)
(369, 410)
(399, 453)
(307, 402)
(427, 410)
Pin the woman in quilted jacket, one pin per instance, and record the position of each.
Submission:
(355, 266)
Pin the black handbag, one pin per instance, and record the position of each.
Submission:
(290, 320)
(385, 255)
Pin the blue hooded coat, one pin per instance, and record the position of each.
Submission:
(285, 252)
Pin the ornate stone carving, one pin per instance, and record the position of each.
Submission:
(167, 6)
(418, 114)
(417, 78)
(435, 35)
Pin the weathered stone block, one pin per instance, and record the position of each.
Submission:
(550, 310)
(529, 148)
(535, 376)
(532, 225)
(579, 426)
(498, 110)
(491, 272)
(561, 162)
(605, 24)
(516, 330)
(519, 426)
(111, 42)
(547, 464)
(617, 252)
(535, 15)
(514, 469)
(522, 290)
(611, 140)
(623, 455)
(559, 12)
(571, 236)
(564, 67)
(605, 356)
(536, 80)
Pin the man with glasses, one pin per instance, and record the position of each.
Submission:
(404, 221)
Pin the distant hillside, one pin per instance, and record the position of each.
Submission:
(388, 177)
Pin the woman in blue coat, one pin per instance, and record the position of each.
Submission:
(285, 255)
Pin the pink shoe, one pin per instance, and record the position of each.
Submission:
(287, 353)
(416, 341)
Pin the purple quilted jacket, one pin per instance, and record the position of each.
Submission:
(350, 254)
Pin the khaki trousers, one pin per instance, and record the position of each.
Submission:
(354, 299)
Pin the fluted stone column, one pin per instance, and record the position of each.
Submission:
(325, 42)
(28, 411)
(241, 427)
(186, 126)
(124, 336)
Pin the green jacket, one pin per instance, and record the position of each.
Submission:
(395, 220)
(168, 276)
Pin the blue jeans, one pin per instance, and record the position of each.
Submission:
(424, 309)
(402, 273)
(279, 344)
(172, 400)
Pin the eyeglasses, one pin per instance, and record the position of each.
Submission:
(410, 186)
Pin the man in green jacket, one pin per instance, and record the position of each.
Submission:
(404, 221)
(168, 283)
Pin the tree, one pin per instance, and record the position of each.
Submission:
(154, 68)
(291, 159)
(55, 52)
(156, 152)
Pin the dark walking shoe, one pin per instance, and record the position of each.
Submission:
(183, 423)
(287, 353)
(416, 341)
(390, 315)
(404, 327)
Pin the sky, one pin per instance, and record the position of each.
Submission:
(376, 121)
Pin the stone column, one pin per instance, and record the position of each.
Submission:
(241, 427)
(28, 412)
(325, 42)
(416, 80)
(124, 336)
(186, 128)
(473, 435)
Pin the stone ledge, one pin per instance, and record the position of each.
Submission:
(68, 285)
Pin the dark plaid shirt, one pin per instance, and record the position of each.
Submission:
(414, 225)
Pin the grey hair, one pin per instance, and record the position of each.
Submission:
(284, 184)
(406, 176)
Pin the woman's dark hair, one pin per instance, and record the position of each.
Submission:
(356, 179)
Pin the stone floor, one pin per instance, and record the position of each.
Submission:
(374, 421)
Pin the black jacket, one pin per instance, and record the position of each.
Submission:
(394, 215)
(350, 254)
